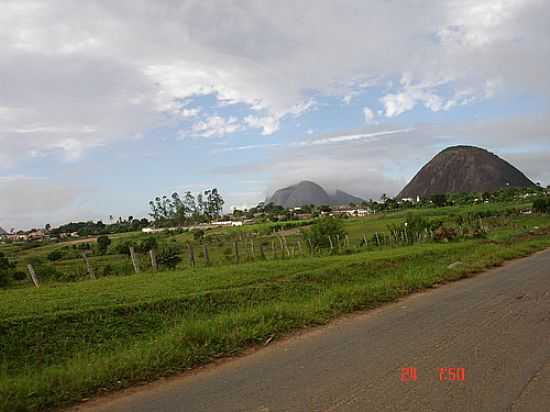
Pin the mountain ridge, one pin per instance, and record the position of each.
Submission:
(309, 193)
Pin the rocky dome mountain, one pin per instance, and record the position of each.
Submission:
(464, 169)
(309, 193)
(3, 232)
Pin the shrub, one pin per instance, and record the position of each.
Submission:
(84, 246)
(6, 270)
(103, 243)
(147, 244)
(412, 230)
(444, 234)
(541, 206)
(168, 257)
(123, 248)
(19, 275)
(320, 231)
(46, 271)
(55, 255)
(198, 234)
(107, 270)
(439, 200)
(5, 278)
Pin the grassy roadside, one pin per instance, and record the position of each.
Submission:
(60, 344)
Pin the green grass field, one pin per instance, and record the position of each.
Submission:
(70, 340)
(219, 242)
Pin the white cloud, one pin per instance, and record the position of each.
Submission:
(185, 113)
(214, 126)
(115, 68)
(268, 124)
(372, 136)
(369, 115)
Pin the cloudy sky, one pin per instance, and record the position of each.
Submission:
(105, 104)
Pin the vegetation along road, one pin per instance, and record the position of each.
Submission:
(491, 334)
(76, 338)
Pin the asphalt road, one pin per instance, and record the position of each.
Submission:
(496, 326)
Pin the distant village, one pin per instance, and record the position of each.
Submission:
(264, 213)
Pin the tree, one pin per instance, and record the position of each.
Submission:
(214, 203)
(189, 203)
(103, 243)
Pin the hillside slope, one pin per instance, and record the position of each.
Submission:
(310, 193)
(464, 169)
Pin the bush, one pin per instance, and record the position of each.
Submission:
(5, 278)
(168, 257)
(84, 246)
(198, 234)
(6, 270)
(147, 244)
(107, 270)
(55, 255)
(19, 275)
(439, 200)
(444, 234)
(46, 271)
(123, 248)
(412, 230)
(320, 231)
(103, 243)
(541, 205)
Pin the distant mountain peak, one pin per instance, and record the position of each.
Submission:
(3, 232)
(309, 193)
(464, 169)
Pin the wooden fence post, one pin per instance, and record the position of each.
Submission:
(236, 251)
(286, 246)
(273, 249)
(330, 240)
(206, 255)
(134, 260)
(365, 240)
(191, 254)
(311, 251)
(377, 239)
(252, 249)
(262, 251)
(153, 260)
(33, 275)
(88, 266)
(282, 247)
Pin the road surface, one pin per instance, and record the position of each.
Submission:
(496, 326)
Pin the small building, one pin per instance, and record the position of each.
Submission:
(228, 223)
(352, 212)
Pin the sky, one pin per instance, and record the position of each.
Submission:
(105, 105)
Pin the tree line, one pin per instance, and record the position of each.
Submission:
(179, 210)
